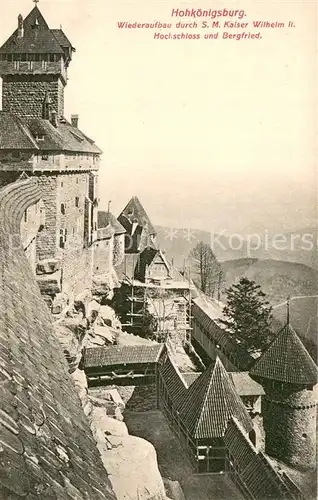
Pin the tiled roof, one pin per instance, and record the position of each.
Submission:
(135, 212)
(120, 355)
(210, 402)
(173, 380)
(61, 38)
(19, 133)
(37, 37)
(63, 138)
(286, 360)
(14, 133)
(47, 449)
(258, 475)
(105, 218)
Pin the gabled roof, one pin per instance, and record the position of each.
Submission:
(20, 133)
(173, 380)
(14, 133)
(286, 360)
(210, 402)
(37, 37)
(119, 355)
(64, 137)
(135, 212)
(105, 218)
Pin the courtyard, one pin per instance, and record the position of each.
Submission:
(172, 459)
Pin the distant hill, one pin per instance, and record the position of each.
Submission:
(289, 271)
(299, 246)
(278, 280)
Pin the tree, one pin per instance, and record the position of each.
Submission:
(248, 315)
(206, 267)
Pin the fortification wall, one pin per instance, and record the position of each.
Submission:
(290, 428)
(46, 442)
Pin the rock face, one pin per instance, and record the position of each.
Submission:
(131, 462)
(132, 467)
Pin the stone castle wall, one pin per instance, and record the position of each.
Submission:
(24, 94)
(103, 255)
(290, 428)
(64, 198)
(47, 239)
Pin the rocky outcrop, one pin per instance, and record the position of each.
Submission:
(130, 461)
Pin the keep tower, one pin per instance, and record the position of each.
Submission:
(33, 66)
(37, 140)
(288, 375)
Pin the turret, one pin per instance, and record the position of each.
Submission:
(288, 375)
(34, 62)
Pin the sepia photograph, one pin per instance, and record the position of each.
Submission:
(158, 249)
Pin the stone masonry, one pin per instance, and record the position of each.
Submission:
(24, 94)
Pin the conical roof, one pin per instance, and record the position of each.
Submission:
(105, 218)
(134, 212)
(37, 37)
(286, 360)
(210, 402)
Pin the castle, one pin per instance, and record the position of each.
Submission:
(49, 218)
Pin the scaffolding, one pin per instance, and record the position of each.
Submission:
(139, 305)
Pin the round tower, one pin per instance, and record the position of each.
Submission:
(288, 375)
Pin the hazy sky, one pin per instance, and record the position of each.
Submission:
(213, 134)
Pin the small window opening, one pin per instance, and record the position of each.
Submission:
(62, 208)
(77, 201)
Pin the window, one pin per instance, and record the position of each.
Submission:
(26, 215)
(44, 65)
(51, 58)
(37, 57)
(62, 209)
(62, 184)
(15, 154)
(77, 201)
(16, 64)
(45, 157)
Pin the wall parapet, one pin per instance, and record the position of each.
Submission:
(46, 440)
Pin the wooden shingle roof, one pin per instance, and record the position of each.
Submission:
(121, 355)
(37, 37)
(286, 360)
(47, 449)
(210, 402)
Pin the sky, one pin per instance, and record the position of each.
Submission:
(210, 134)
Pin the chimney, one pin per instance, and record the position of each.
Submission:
(74, 120)
(20, 27)
(54, 118)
